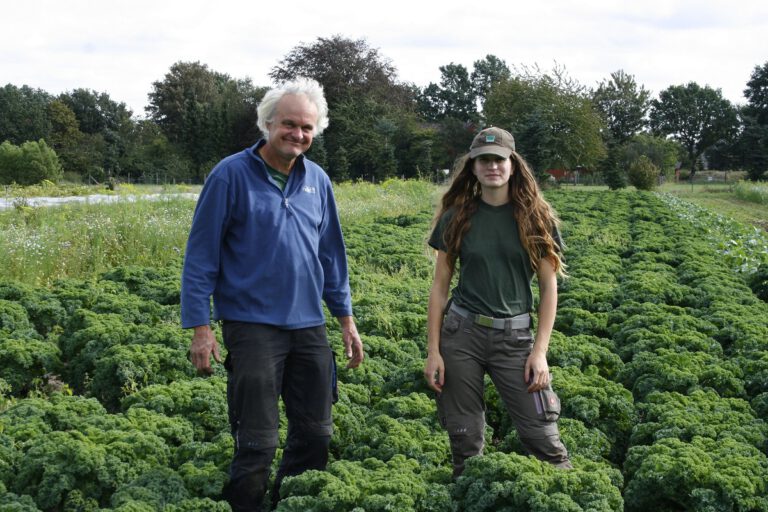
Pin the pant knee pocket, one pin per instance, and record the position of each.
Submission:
(256, 439)
(312, 429)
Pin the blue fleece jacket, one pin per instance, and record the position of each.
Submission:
(266, 255)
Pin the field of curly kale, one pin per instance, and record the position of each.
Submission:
(660, 357)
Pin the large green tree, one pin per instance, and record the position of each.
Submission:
(454, 105)
(206, 114)
(79, 153)
(454, 97)
(105, 125)
(697, 117)
(753, 143)
(369, 108)
(487, 72)
(554, 122)
(346, 68)
(623, 105)
(23, 114)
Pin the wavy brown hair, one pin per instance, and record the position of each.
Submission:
(536, 221)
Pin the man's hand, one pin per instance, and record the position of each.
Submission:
(203, 345)
(434, 372)
(353, 345)
(536, 371)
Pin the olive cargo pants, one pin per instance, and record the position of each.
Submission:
(469, 350)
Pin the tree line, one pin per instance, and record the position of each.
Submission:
(382, 127)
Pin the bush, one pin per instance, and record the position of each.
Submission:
(28, 164)
(643, 174)
(512, 482)
(704, 474)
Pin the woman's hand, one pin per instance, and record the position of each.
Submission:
(434, 372)
(536, 371)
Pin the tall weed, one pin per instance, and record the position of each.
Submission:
(752, 192)
(41, 244)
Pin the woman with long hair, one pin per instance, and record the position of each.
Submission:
(495, 223)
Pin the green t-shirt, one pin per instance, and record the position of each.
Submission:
(280, 178)
(494, 269)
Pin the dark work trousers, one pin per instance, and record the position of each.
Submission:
(469, 351)
(263, 363)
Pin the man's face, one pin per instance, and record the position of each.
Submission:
(293, 126)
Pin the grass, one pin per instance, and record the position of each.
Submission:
(725, 198)
(41, 244)
(50, 189)
(752, 192)
(363, 200)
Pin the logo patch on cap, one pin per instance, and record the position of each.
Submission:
(490, 138)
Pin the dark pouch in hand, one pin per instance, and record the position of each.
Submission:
(550, 404)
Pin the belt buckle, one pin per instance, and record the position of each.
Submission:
(483, 320)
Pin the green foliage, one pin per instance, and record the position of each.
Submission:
(555, 125)
(370, 485)
(663, 153)
(200, 401)
(157, 487)
(23, 114)
(703, 474)
(29, 163)
(43, 309)
(10, 502)
(598, 403)
(647, 286)
(573, 321)
(695, 116)
(683, 372)
(383, 437)
(583, 351)
(500, 481)
(643, 174)
(111, 358)
(207, 114)
(701, 413)
(13, 317)
(24, 361)
(455, 97)
(752, 143)
(54, 465)
(161, 285)
(623, 105)
(759, 282)
(124, 369)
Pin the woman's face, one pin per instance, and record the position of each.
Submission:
(492, 171)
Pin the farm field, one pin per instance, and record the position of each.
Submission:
(727, 199)
(660, 357)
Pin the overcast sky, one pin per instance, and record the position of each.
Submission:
(121, 47)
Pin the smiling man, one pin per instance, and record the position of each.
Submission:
(266, 243)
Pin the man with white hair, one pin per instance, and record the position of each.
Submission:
(266, 243)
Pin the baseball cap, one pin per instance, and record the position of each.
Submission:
(492, 141)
